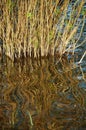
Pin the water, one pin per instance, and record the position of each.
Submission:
(42, 95)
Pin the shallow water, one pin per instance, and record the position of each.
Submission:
(42, 95)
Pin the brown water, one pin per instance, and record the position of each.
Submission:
(42, 95)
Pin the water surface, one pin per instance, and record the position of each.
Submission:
(42, 95)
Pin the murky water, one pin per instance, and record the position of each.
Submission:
(42, 95)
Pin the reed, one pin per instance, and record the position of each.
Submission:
(30, 27)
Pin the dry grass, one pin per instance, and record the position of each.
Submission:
(29, 28)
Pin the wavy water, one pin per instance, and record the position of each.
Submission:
(42, 95)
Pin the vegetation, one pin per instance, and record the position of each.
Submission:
(38, 28)
(38, 93)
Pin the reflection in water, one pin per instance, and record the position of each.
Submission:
(41, 95)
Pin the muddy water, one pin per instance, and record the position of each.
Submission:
(42, 95)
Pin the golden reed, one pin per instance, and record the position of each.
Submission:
(29, 27)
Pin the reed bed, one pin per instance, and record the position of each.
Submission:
(38, 28)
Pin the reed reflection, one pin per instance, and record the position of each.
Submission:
(41, 95)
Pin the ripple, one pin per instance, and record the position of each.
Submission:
(41, 97)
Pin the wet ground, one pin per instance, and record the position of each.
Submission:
(43, 95)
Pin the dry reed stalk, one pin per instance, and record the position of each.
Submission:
(69, 33)
(30, 26)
